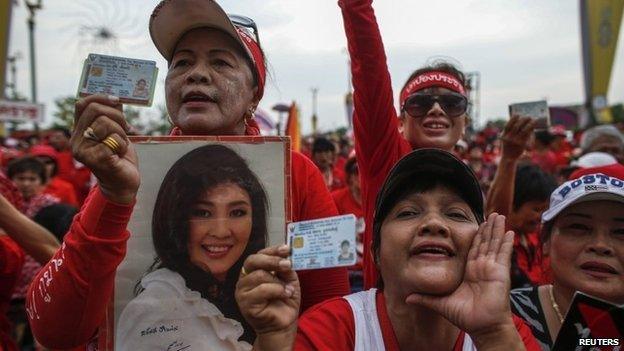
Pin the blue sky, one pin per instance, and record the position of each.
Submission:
(524, 49)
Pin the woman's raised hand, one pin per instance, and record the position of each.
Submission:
(516, 137)
(268, 295)
(480, 305)
(99, 141)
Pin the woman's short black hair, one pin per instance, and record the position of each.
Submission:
(532, 184)
(351, 166)
(27, 164)
(323, 145)
(190, 177)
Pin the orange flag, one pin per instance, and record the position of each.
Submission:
(292, 127)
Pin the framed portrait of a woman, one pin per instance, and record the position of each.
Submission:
(204, 205)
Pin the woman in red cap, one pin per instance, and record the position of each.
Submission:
(433, 104)
(215, 81)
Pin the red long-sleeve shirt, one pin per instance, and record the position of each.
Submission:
(68, 299)
(378, 143)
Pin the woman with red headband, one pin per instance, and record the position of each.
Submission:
(215, 81)
(433, 106)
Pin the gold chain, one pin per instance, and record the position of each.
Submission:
(554, 305)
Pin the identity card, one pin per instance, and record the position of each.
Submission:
(323, 243)
(131, 80)
(537, 110)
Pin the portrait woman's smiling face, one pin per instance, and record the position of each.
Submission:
(219, 228)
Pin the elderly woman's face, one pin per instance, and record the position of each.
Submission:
(219, 228)
(209, 86)
(425, 241)
(586, 249)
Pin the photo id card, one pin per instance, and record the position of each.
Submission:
(132, 80)
(323, 243)
(537, 110)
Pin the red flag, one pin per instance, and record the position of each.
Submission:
(292, 127)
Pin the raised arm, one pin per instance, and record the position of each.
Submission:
(67, 300)
(375, 119)
(515, 138)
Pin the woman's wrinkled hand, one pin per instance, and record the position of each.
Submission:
(480, 305)
(99, 141)
(268, 295)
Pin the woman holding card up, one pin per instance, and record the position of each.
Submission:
(215, 81)
(444, 274)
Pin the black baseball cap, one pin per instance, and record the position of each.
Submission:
(431, 164)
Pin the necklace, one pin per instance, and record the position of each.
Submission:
(554, 305)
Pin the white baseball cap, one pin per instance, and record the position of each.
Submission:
(591, 187)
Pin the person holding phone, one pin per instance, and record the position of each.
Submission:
(433, 104)
(216, 78)
(444, 274)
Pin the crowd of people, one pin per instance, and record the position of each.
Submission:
(467, 240)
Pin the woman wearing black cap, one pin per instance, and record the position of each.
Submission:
(215, 81)
(444, 274)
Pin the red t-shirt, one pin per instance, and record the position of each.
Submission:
(378, 143)
(68, 298)
(11, 262)
(331, 326)
(346, 204)
(79, 177)
(531, 260)
(63, 190)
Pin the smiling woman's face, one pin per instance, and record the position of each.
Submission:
(586, 249)
(425, 240)
(436, 129)
(209, 87)
(219, 228)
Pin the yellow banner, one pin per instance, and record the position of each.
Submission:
(600, 26)
(5, 30)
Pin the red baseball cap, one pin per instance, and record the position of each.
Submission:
(44, 150)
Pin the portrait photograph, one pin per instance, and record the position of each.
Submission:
(203, 207)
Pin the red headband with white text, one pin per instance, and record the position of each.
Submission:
(432, 79)
(253, 48)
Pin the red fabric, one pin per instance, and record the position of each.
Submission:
(546, 160)
(78, 290)
(431, 79)
(79, 177)
(615, 170)
(11, 261)
(378, 143)
(62, 190)
(331, 326)
(346, 204)
(67, 299)
(255, 52)
(530, 259)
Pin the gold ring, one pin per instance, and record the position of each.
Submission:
(243, 272)
(89, 133)
(111, 143)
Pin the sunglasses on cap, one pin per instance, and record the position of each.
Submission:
(418, 105)
(246, 23)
